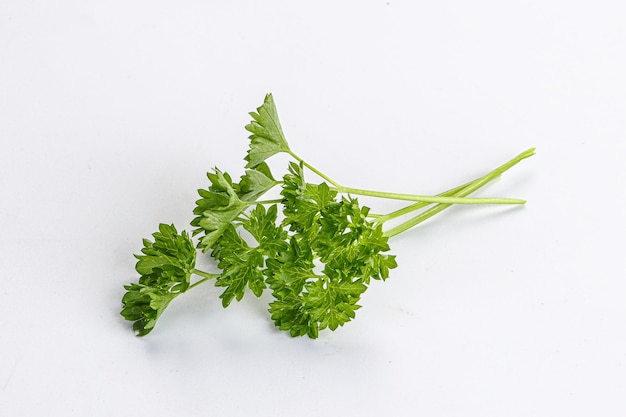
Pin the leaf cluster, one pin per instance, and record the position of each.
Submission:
(333, 253)
(165, 267)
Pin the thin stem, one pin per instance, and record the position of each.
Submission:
(317, 171)
(406, 197)
(464, 191)
(416, 220)
(430, 199)
(276, 201)
(206, 276)
(416, 206)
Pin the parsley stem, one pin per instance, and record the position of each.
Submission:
(430, 199)
(205, 277)
(382, 218)
(442, 198)
(464, 191)
(416, 206)
(315, 170)
(276, 201)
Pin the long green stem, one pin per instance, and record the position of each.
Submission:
(430, 199)
(462, 192)
(416, 206)
(447, 199)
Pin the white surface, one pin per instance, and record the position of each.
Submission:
(111, 113)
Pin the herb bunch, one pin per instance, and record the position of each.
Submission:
(316, 249)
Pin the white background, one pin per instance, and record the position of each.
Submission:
(112, 112)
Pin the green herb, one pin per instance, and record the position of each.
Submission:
(314, 247)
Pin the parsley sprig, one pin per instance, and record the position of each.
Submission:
(315, 248)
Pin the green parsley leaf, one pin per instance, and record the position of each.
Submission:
(243, 265)
(165, 267)
(240, 265)
(267, 137)
(332, 304)
(299, 209)
(255, 182)
(217, 208)
(223, 202)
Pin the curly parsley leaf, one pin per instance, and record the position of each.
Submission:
(240, 265)
(267, 137)
(217, 208)
(332, 304)
(255, 182)
(300, 212)
(165, 267)
(223, 202)
(243, 265)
